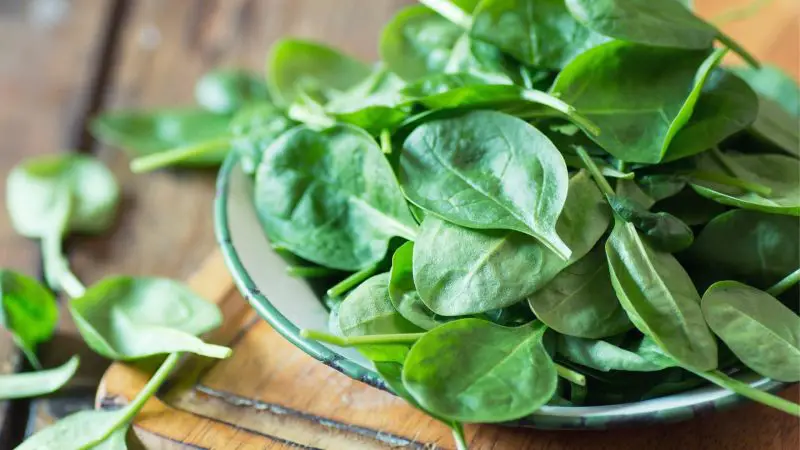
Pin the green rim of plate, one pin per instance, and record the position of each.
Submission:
(658, 410)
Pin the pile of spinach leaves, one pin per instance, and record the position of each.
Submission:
(535, 202)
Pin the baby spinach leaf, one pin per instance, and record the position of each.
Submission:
(125, 318)
(605, 356)
(661, 186)
(777, 128)
(403, 293)
(580, 300)
(690, 207)
(773, 83)
(638, 122)
(659, 297)
(368, 310)
(779, 173)
(330, 197)
(749, 246)
(467, 170)
(471, 370)
(295, 66)
(254, 128)
(460, 271)
(225, 91)
(510, 316)
(541, 33)
(34, 384)
(762, 332)
(28, 311)
(143, 133)
(664, 231)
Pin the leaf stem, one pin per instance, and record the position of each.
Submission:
(546, 99)
(351, 341)
(450, 12)
(716, 177)
(352, 281)
(386, 141)
(571, 375)
(594, 171)
(151, 387)
(458, 436)
(782, 286)
(728, 41)
(745, 390)
(167, 158)
(308, 272)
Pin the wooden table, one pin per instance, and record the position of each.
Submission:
(61, 61)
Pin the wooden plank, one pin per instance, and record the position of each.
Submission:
(50, 54)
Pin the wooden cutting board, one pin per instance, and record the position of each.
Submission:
(270, 395)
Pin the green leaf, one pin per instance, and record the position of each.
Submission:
(225, 91)
(34, 384)
(663, 230)
(690, 207)
(368, 310)
(143, 133)
(460, 271)
(749, 246)
(776, 127)
(779, 173)
(660, 299)
(773, 83)
(295, 66)
(541, 33)
(28, 311)
(637, 121)
(471, 370)
(254, 128)
(605, 356)
(126, 318)
(762, 332)
(403, 294)
(467, 170)
(37, 188)
(79, 431)
(661, 186)
(337, 186)
(580, 300)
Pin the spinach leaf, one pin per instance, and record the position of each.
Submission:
(605, 356)
(28, 311)
(142, 133)
(541, 33)
(661, 186)
(638, 122)
(778, 173)
(460, 271)
(773, 83)
(337, 186)
(403, 294)
(254, 128)
(580, 300)
(776, 128)
(659, 297)
(471, 370)
(690, 207)
(368, 310)
(297, 66)
(34, 384)
(467, 170)
(126, 318)
(762, 332)
(510, 316)
(225, 91)
(749, 246)
(664, 231)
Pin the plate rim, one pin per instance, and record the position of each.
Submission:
(549, 417)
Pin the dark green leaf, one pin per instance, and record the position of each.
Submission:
(776, 128)
(690, 207)
(336, 186)
(773, 83)
(225, 91)
(762, 332)
(374, 104)
(28, 311)
(664, 231)
(467, 169)
(34, 384)
(660, 187)
(403, 293)
(471, 370)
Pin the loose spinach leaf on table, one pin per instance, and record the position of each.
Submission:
(580, 300)
(663, 230)
(467, 170)
(41, 382)
(142, 133)
(659, 298)
(749, 246)
(125, 318)
(28, 311)
(762, 332)
(472, 370)
(253, 129)
(297, 66)
(459, 271)
(225, 91)
(403, 293)
(337, 186)
(541, 33)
